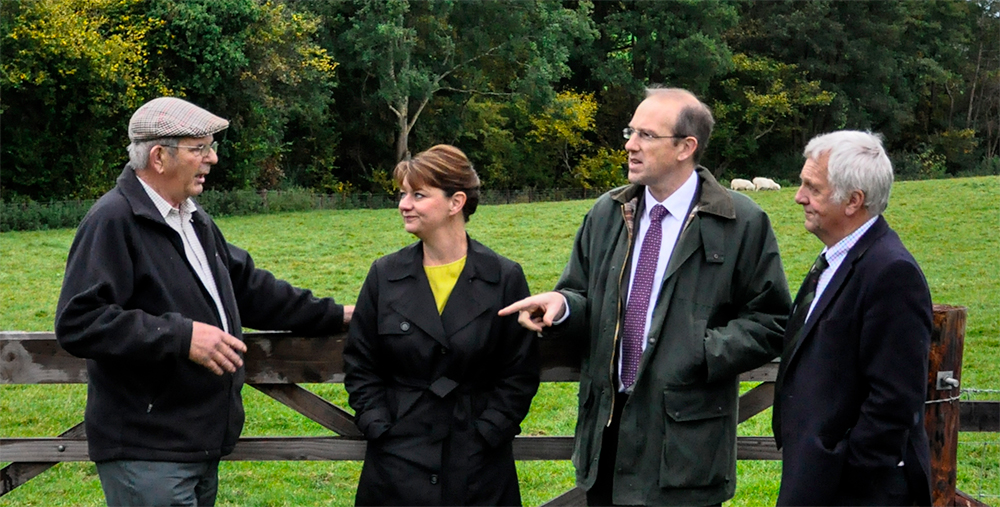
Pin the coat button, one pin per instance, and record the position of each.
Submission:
(715, 256)
(434, 479)
(443, 350)
(405, 326)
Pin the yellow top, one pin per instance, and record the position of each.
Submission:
(442, 279)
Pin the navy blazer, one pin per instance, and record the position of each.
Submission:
(852, 398)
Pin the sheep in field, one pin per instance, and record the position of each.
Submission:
(741, 184)
(760, 183)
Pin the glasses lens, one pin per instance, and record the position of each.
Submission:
(627, 132)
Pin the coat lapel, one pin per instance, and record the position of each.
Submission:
(410, 292)
(843, 274)
(469, 299)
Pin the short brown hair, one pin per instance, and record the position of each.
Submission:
(442, 166)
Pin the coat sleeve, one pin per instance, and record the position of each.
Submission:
(519, 372)
(760, 302)
(574, 284)
(364, 379)
(268, 303)
(894, 348)
(91, 319)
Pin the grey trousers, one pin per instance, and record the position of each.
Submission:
(135, 483)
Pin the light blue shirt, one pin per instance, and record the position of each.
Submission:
(835, 256)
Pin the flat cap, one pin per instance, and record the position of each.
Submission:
(172, 117)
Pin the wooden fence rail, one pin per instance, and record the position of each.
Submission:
(277, 362)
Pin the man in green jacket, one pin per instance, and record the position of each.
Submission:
(674, 287)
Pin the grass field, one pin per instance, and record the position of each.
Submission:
(951, 226)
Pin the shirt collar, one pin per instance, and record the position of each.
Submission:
(679, 202)
(164, 207)
(840, 249)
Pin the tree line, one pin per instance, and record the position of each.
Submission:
(329, 94)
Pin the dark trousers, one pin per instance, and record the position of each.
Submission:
(885, 487)
(600, 493)
(134, 483)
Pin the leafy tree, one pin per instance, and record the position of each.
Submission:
(405, 59)
(677, 44)
(759, 108)
(72, 72)
(255, 63)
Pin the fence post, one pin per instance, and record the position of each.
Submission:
(941, 411)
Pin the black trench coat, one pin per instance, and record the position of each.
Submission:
(440, 397)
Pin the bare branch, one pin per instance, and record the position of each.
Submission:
(477, 92)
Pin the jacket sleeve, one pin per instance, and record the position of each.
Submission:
(761, 304)
(519, 372)
(574, 284)
(363, 379)
(894, 347)
(268, 303)
(91, 317)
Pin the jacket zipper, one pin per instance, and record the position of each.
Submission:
(618, 319)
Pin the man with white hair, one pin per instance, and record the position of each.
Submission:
(155, 299)
(849, 399)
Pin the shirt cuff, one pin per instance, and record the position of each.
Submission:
(565, 314)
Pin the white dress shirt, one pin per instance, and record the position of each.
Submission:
(179, 219)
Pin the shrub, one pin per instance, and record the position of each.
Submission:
(32, 215)
(296, 199)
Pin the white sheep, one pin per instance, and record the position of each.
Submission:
(760, 183)
(741, 184)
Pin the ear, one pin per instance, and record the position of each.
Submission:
(457, 202)
(686, 148)
(855, 203)
(156, 156)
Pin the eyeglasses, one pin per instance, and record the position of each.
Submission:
(202, 149)
(628, 132)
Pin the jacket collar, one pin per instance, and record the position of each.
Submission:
(712, 197)
(414, 300)
(480, 263)
(142, 205)
(844, 272)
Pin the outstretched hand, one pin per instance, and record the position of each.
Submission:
(215, 349)
(538, 311)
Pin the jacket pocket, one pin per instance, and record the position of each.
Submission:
(699, 444)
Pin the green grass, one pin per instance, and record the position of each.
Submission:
(951, 226)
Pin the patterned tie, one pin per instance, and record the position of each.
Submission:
(803, 301)
(639, 296)
(792, 331)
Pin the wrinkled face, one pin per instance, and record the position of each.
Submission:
(185, 168)
(825, 217)
(424, 209)
(652, 161)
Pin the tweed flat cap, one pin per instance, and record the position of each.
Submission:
(172, 117)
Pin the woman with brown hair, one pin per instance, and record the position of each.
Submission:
(439, 383)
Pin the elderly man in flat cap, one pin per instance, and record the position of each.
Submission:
(155, 299)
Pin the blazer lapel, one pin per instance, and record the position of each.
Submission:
(410, 293)
(469, 299)
(843, 274)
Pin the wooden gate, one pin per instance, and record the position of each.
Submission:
(277, 362)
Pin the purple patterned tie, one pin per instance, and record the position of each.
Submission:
(639, 296)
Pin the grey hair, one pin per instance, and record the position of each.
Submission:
(138, 151)
(857, 162)
(694, 121)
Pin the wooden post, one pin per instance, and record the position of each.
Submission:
(942, 409)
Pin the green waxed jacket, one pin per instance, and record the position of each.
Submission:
(721, 311)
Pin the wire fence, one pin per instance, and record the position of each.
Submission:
(35, 215)
(979, 455)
